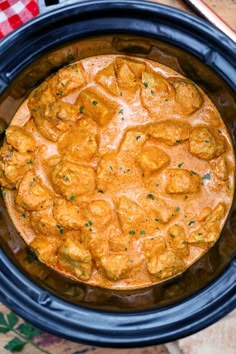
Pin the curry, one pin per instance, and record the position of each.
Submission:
(118, 172)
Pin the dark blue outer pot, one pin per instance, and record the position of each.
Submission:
(33, 302)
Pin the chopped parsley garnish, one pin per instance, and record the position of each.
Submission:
(219, 131)
(186, 197)
(58, 226)
(200, 233)
(90, 230)
(191, 222)
(150, 196)
(86, 224)
(177, 209)
(142, 232)
(33, 179)
(61, 231)
(166, 99)
(179, 141)
(126, 249)
(90, 222)
(81, 109)
(121, 111)
(193, 173)
(132, 232)
(67, 179)
(171, 235)
(95, 103)
(180, 164)
(157, 185)
(60, 93)
(138, 137)
(72, 197)
(23, 215)
(100, 191)
(122, 118)
(145, 84)
(121, 94)
(111, 168)
(30, 162)
(207, 141)
(207, 176)
(152, 92)
(62, 83)
(157, 220)
(131, 261)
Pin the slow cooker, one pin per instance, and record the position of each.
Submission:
(162, 313)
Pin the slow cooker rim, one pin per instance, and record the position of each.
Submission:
(229, 296)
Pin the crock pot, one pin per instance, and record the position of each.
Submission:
(205, 292)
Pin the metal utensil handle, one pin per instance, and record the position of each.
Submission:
(203, 9)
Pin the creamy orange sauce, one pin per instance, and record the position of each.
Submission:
(122, 173)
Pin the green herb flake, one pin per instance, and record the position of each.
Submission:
(67, 179)
(131, 261)
(207, 176)
(122, 118)
(132, 232)
(152, 92)
(86, 224)
(72, 197)
(90, 222)
(90, 230)
(100, 191)
(207, 141)
(191, 222)
(180, 165)
(171, 235)
(121, 94)
(58, 226)
(23, 215)
(81, 109)
(62, 83)
(157, 220)
(177, 209)
(138, 137)
(166, 99)
(30, 162)
(192, 173)
(95, 103)
(62, 231)
(150, 196)
(157, 185)
(178, 141)
(126, 249)
(186, 197)
(60, 93)
(142, 232)
(145, 84)
(121, 111)
(219, 131)
(111, 168)
(200, 233)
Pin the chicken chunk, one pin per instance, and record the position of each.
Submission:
(187, 96)
(54, 119)
(176, 239)
(43, 223)
(67, 79)
(80, 142)
(98, 213)
(131, 215)
(217, 214)
(169, 132)
(204, 235)
(98, 245)
(114, 265)
(72, 180)
(32, 193)
(181, 181)
(156, 94)
(118, 242)
(13, 166)
(46, 249)
(129, 73)
(96, 105)
(165, 265)
(204, 144)
(154, 246)
(20, 139)
(67, 214)
(220, 168)
(40, 96)
(152, 159)
(155, 207)
(107, 170)
(75, 259)
(133, 142)
(107, 78)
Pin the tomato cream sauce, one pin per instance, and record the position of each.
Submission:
(118, 172)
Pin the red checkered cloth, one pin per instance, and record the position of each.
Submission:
(14, 13)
